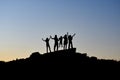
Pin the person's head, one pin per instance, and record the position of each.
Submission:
(55, 36)
(65, 35)
(47, 39)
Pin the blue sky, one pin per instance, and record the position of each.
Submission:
(24, 22)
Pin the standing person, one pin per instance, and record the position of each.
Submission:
(56, 42)
(60, 41)
(47, 44)
(65, 40)
(70, 38)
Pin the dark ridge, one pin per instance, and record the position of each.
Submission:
(63, 62)
(62, 57)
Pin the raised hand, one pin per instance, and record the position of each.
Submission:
(50, 36)
(43, 39)
(74, 34)
(67, 33)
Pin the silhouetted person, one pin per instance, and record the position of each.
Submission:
(60, 41)
(56, 42)
(65, 40)
(47, 44)
(70, 38)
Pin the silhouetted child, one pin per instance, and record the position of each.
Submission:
(65, 40)
(70, 38)
(56, 42)
(60, 41)
(47, 44)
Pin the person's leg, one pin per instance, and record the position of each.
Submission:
(54, 47)
(49, 49)
(61, 44)
(57, 47)
(71, 45)
(46, 49)
(64, 46)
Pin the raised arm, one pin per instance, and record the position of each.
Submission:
(43, 39)
(73, 35)
(51, 37)
(67, 34)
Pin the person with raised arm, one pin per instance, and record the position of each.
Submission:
(60, 41)
(55, 42)
(70, 38)
(65, 41)
(47, 44)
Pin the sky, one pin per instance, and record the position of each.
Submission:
(23, 24)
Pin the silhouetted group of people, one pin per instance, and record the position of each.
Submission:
(63, 41)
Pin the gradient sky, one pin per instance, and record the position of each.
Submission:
(24, 22)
